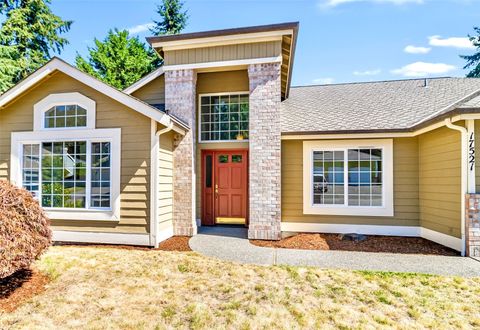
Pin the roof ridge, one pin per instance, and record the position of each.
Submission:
(380, 81)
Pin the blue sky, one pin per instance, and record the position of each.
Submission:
(339, 40)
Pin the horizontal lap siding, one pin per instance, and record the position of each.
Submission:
(165, 181)
(440, 181)
(405, 171)
(224, 53)
(153, 92)
(135, 149)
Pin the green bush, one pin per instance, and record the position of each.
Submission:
(24, 229)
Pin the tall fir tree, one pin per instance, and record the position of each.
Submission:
(173, 19)
(473, 61)
(29, 34)
(118, 60)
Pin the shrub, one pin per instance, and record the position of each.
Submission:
(24, 229)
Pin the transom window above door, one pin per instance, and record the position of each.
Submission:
(223, 117)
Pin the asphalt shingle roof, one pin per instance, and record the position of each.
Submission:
(371, 106)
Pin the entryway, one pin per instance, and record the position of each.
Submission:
(225, 187)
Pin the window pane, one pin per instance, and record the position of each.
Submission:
(224, 117)
(31, 168)
(223, 159)
(66, 116)
(100, 175)
(236, 158)
(328, 173)
(61, 174)
(208, 171)
(365, 177)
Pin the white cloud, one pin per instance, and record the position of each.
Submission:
(334, 3)
(416, 50)
(323, 81)
(419, 69)
(367, 72)
(456, 42)
(140, 28)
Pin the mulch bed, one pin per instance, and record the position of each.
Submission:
(20, 287)
(176, 243)
(389, 244)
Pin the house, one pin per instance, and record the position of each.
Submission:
(217, 135)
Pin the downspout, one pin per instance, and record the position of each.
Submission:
(464, 177)
(155, 211)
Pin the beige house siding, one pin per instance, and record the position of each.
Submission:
(165, 182)
(440, 181)
(135, 157)
(224, 53)
(405, 172)
(153, 92)
(217, 82)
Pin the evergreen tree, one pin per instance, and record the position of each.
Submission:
(173, 18)
(473, 61)
(118, 60)
(29, 34)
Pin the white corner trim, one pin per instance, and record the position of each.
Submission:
(112, 135)
(164, 235)
(52, 100)
(219, 64)
(154, 186)
(386, 210)
(408, 231)
(222, 40)
(143, 81)
(350, 228)
(99, 237)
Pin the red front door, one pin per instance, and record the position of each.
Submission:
(224, 186)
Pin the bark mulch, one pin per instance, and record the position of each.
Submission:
(20, 287)
(176, 243)
(388, 244)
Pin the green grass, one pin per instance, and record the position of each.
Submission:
(98, 288)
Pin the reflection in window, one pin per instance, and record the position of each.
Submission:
(236, 158)
(31, 168)
(62, 116)
(223, 159)
(328, 177)
(224, 117)
(100, 178)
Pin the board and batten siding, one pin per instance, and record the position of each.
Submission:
(405, 172)
(135, 151)
(224, 53)
(153, 92)
(165, 182)
(440, 181)
(216, 82)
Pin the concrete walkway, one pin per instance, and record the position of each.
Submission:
(230, 243)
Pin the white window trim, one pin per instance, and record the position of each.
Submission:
(112, 135)
(41, 107)
(386, 210)
(200, 116)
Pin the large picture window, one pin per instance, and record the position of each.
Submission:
(348, 178)
(223, 117)
(73, 174)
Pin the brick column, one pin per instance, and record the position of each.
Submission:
(180, 91)
(472, 225)
(264, 146)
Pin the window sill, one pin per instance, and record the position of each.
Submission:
(362, 211)
(92, 215)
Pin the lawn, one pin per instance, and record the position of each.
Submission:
(107, 288)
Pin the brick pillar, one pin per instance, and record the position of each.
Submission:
(472, 225)
(180, 91)
(264, 146)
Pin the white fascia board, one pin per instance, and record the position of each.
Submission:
(222, 40)
(57, 64)
(143, 81)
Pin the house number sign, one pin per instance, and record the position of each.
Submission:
(471, 151)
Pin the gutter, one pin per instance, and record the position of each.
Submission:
(464, 174)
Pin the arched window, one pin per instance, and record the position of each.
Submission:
(64, 111)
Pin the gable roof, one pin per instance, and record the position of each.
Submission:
(56, 64)
(384, 106)
(144, 80)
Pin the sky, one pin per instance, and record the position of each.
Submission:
(339, 40)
